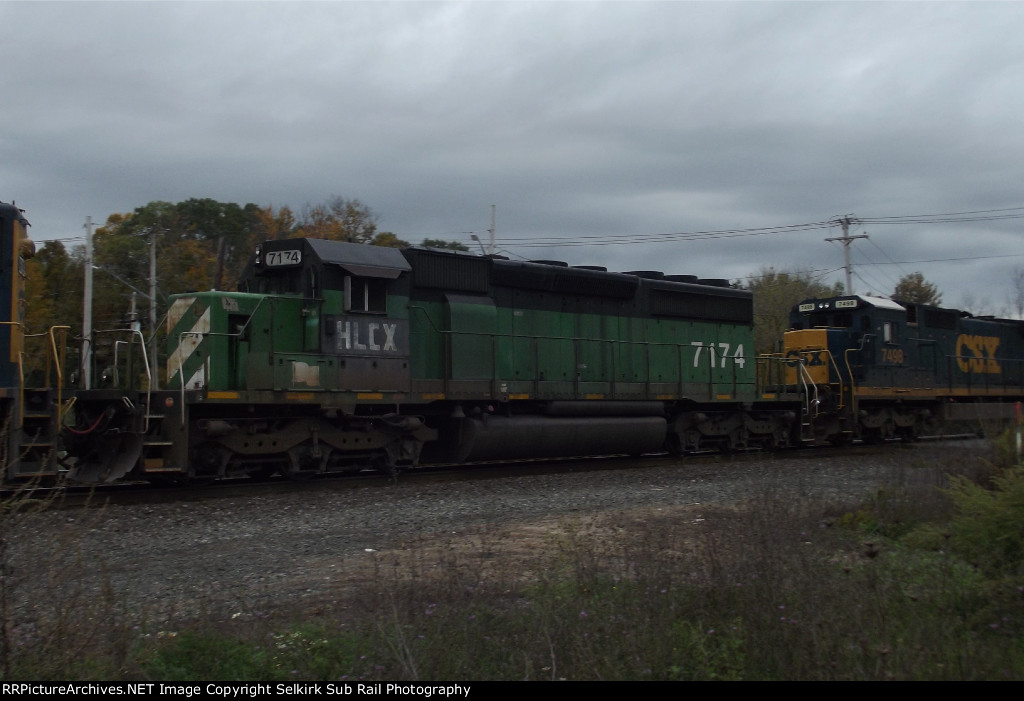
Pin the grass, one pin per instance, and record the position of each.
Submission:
(924, 580)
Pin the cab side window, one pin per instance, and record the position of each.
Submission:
(368, 295)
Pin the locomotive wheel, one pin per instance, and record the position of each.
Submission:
(674, 445)
(872, 436)
(907, 434)
(840, 439)
(304, 462)
(383, 464)
(298, 475)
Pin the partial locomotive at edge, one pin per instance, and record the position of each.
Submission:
(334, 357)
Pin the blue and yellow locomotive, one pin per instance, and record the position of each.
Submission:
(873, 368)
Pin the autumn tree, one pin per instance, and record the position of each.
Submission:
(388, 240)
(338, 219)
(54, 293)
(226, 228)
(275, 225)
(198, 244)
(775, 293)
(915, 289)
(446, 245)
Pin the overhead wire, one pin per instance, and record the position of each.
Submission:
(875, 267)
(554, 241)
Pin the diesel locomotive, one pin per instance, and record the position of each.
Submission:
(874, 368)
(333, 357)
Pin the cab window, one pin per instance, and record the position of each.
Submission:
(368, 295)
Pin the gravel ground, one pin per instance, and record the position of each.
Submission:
(242, 553)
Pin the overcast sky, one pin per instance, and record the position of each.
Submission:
(592, 122)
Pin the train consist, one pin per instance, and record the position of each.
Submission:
(335, 357)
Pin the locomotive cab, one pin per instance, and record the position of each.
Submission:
(837, 340)
(333, 317)
(834, 348)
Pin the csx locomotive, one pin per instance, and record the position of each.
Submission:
(334, 357)
(874, 368)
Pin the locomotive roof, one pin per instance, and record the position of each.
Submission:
(357, 258)
(869, 300)
(360, 259)
(882, 302)
(14, 212)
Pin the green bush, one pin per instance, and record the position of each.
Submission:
(988, 528)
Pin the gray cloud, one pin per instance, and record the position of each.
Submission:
(573, 118)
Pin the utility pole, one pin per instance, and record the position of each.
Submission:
(152, 310)
(87, 310)
(846, 240)
(490, 247)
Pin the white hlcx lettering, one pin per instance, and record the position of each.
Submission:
(349, 336)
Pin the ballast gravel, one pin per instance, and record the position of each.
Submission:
(233, 552)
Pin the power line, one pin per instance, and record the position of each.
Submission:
(627, 239)
(975, 215)
(1008, 213)
(551, 241)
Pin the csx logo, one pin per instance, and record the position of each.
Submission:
(811, 358)
(977, 354)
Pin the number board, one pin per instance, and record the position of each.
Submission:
(287, 257)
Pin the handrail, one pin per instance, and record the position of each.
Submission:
(145, 358)
(58, 365)
(53, 356)
(805, 378)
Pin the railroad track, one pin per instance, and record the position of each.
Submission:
(77, 496)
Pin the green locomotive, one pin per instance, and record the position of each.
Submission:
(334, 356)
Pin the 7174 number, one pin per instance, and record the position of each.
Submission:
(719, 352)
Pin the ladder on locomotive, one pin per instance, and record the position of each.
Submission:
(814, 403)
(31, 446)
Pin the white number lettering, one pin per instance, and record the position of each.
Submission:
(696, 356)
(737, 356)
(725, 351)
